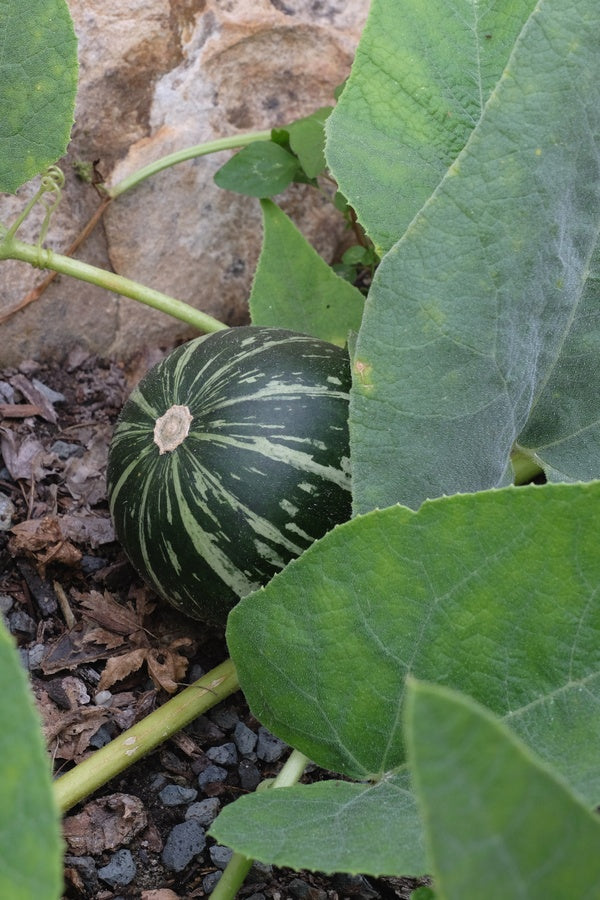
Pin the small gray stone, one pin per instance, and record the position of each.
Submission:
(249, 775)
(120, 870)
(64, 450)
(6, 603)
(204, 811)
(224, 755)
(226, 719)
(209, 882)
(177, 795)
(36, 655)
(101, 738)
(211, 774)
(158, 782)
(185, 841)
(7, 512)
(86, 867)
(220, 856)
(269, 748)
(245, 739)
(20, 622)
(103, 698)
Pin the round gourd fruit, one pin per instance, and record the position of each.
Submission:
(228, 460)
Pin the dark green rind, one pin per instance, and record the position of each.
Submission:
(263, 472)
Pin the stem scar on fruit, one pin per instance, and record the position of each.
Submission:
(172, 429)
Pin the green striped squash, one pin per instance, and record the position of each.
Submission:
(228, 460)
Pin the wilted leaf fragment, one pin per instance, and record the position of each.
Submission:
(38, 83)
(499, 823)
(30, 849)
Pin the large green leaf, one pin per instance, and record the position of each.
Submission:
(422, 73)
(331, 826)
(493, 594)
(294, 288)
(484, 313)
(499, 823)
(38, 82)
(30, 846)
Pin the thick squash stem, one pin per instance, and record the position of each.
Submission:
(11, 248)
(144, 736)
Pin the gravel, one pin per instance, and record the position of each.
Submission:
(220, 856)
(185, 840)
(210, 775)
(224, 755)
(268, 747)
(176, 795)
(245, 739)
(120, 870)
(204, 811)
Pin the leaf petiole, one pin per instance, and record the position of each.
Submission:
(11, 248)
(144, 736)
(172, 159)
(238, 866)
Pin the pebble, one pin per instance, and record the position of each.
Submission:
(6, 603)
(185, 841)
(249, 775)
(226, 719)
(120, 870)
(204, 811)
(86, 867)
(220, 856)
(64, 450)
(20, 622)
(269, 748)
(245, 739)
(177, 795)
(103, 698)
(224, 755)
(158, 782)
(209, 882)
(7, 512)
(101, 738)
(36, 654)
(211, 774)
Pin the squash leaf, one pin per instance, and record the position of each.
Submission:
(418, 86)
(482, 327)
(38, 74)
(453, 593)
(294, 288)
(498, 821)
(31, 846)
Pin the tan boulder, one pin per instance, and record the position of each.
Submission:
(157, 76)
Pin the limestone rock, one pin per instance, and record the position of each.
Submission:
(157, 76)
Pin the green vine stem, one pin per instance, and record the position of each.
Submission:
(11, 248)
(227, 143)
(146, 735)
(238, 866)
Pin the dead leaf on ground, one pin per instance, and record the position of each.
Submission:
(22, 457)
(68, 732)
(166, 667)
(84, 476)
(44, 540)
(105, 824)
(109, 614)
(87, 528)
